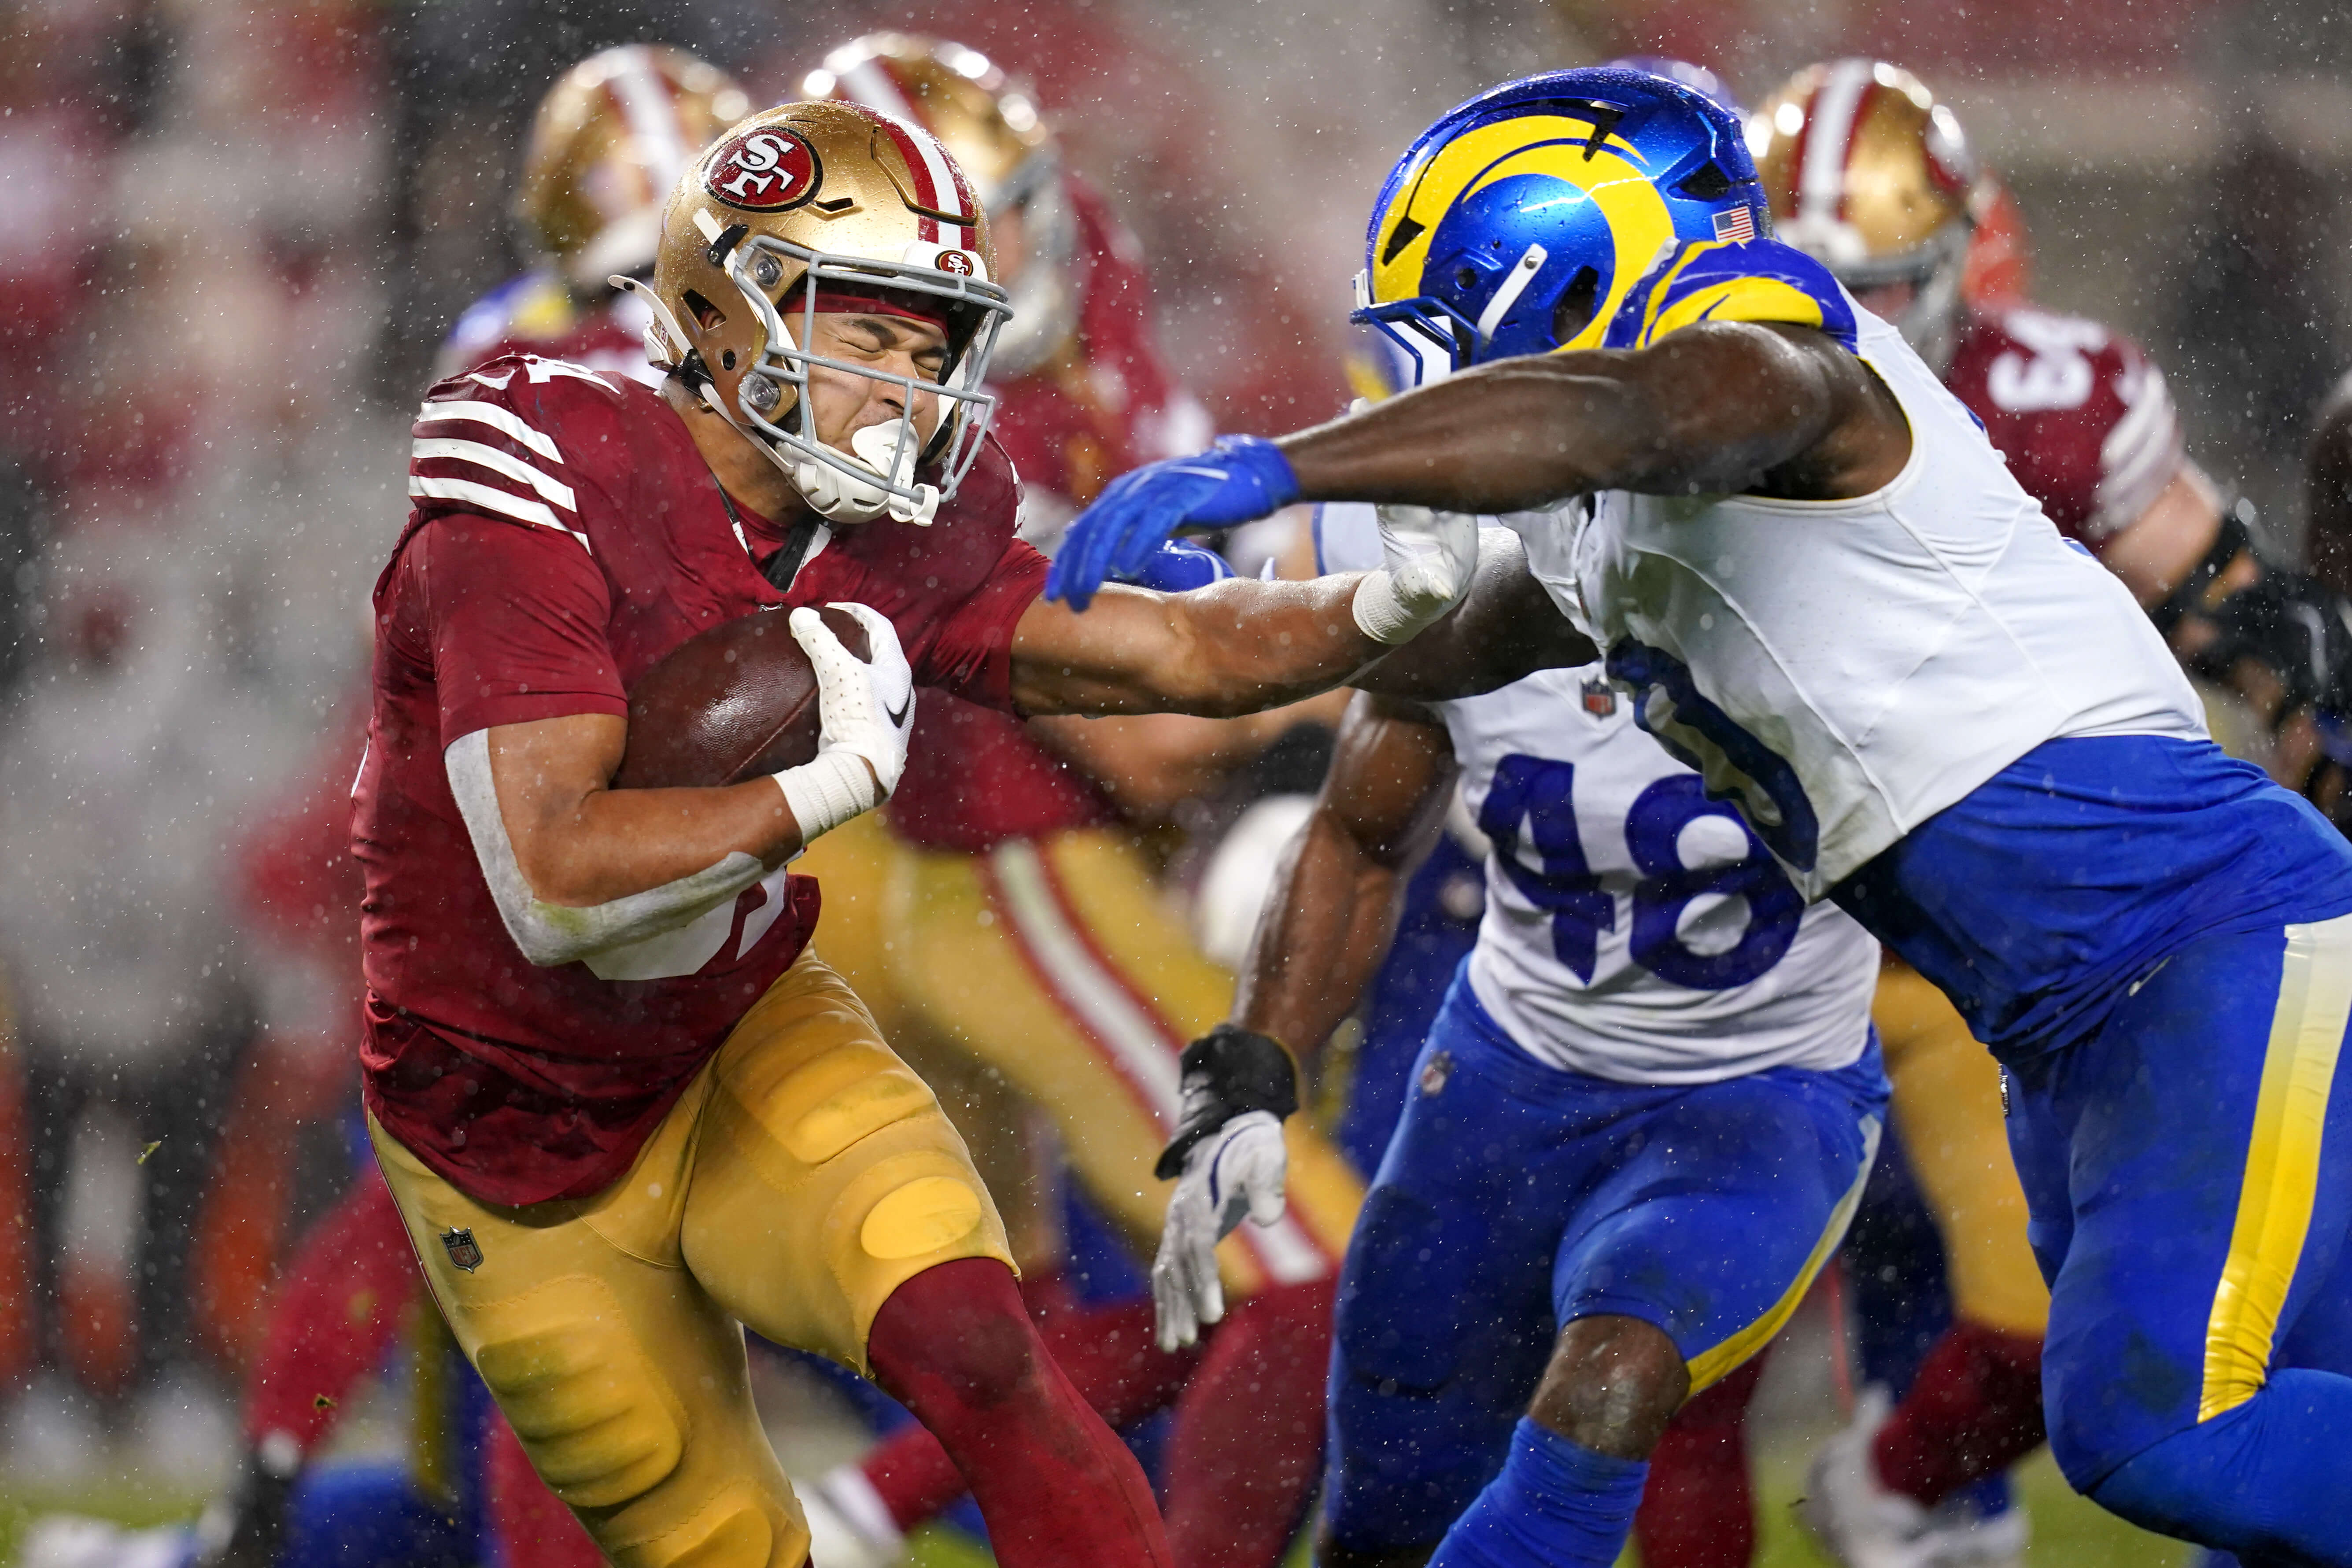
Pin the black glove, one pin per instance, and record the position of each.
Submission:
(1228, 1072)
(2295, 627)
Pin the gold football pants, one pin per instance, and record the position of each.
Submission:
(1947, 1108)
(1051, 976)
(805, 1174)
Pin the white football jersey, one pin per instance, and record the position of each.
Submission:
(1846, 669)
(1634, 929)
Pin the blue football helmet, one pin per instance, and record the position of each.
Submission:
(1518, 223)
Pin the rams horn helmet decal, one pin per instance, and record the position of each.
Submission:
(1520, 223)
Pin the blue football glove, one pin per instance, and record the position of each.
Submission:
(1240, 479)
(1179, 566)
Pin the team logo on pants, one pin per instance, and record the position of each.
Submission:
(463, 1249)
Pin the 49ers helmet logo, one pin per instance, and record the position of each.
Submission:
(765, 170)
(957, 262)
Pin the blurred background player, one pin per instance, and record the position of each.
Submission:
(606, 145)
(1005, 918)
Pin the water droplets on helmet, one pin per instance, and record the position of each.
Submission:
(1519, 222)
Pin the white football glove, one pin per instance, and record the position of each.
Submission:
(1431, 557)
(864, 710)
(1237, 1171)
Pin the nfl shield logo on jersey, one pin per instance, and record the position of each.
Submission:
(463, 1249)
(1600, 698)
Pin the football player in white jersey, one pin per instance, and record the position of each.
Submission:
(1827, 593)
(1646, 1109)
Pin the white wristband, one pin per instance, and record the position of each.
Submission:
(826, 793)
(1382, 616)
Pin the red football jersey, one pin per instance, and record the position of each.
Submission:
(975, 776)
(566, 536)
(2082, 415)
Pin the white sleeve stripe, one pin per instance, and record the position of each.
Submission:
(496, 417)
(497, 462)
(506, 503)
(2148, 422)
(2139, 456)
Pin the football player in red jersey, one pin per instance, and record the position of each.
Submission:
(609, 140)
(1015, 897)
(1868, 173)
(623, 1111)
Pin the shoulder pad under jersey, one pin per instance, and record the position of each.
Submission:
(1731, 280)
(519, 438)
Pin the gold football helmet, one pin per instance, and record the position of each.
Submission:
(1872, 177)
(796, 211)
(993, 130)
(610, 138)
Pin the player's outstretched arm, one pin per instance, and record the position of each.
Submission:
(1232, 647)
(1722, 408)
(1323, 932)
(1719, 408)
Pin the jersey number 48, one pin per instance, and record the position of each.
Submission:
(1536, 797)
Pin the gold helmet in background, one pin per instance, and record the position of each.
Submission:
(1872, 177)
(610, 140)
(828, 206)
(993, 130)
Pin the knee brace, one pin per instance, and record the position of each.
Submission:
(600, 1425)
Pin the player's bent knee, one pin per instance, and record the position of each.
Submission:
(2190, 1485)
(1613, 1385)
(600, 1425)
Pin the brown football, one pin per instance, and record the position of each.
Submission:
(729, 704)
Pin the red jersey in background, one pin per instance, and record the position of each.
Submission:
(1106, 403)
(2082, 415)
(566, 536)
